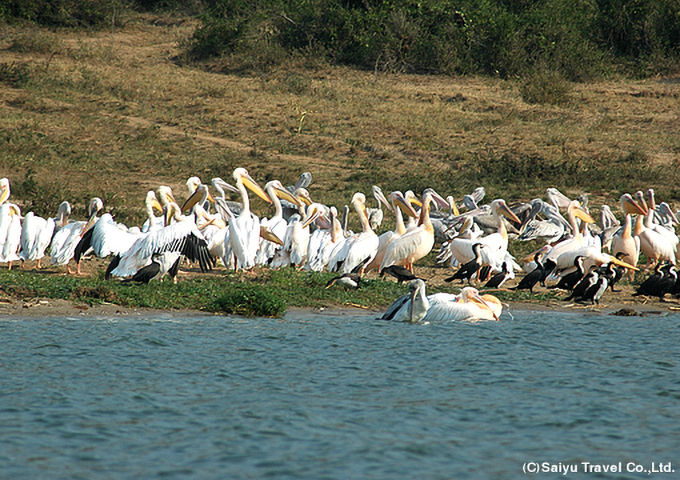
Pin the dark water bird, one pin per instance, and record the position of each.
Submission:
(617, 272)
(594, 292)
(402, 274)
(466, 271)
(500, 278)
(533, 277)
(548, 267)
(661, 282)
(161, 264)
(569, 281)
(347, 280)
(588, 280)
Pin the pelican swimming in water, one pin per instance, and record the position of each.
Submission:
(417, 307)
(416, 242)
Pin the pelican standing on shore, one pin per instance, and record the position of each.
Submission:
(417, 242)
(244, 229)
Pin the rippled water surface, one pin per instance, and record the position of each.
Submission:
(335, 396)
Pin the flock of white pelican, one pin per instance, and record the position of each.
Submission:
(209, 229)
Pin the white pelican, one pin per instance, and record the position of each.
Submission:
(359, 249)
(668, 234)
(399, 205)
(276, 224)
(375, 215)
(472, 200)
(322, 242)
(66, 239)
(244, 230)
(654, 245)
(152, 222)
(625, 243)
(10, 233)
(496, 252)
(36, 235)
(417, 242)
(575, 242)
(168, 244)
(442, 307)
(557, 199)
(549, 230)
(4, 190)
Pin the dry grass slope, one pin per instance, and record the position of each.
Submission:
(87, 114)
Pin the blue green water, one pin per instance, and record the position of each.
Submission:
(335, 396)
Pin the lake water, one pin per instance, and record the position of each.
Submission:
(337, 396)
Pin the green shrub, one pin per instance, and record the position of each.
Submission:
(549, 87)
(250, 300)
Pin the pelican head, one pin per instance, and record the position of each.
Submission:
(152, 201)
(380, 197)
(419, 302)
(96, 205)
(577, 210)
(193, 183)
(242, 177)
(4, 190)
(200, 195)
(303, 195)
(404, 205)
(314, 211)
(220, 185)
(471, 295)
(499, 207)
(630, 206)
(275, 187)
(641, 201)
(164, 195)
(438, 200)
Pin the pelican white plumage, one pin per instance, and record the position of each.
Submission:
(496, 251)
(417, 242)
(244, 229)
(575, 242)
(547, 231)
(624, 242)
(399, 204)
(359, 249)
(376, 215)
(322, 242)
(276, 224)
(36, 235)
(10, 233)
(152, 221)
(417, 307)
(66, 239)
(180, 237)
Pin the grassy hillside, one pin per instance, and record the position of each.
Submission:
(113, 115)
